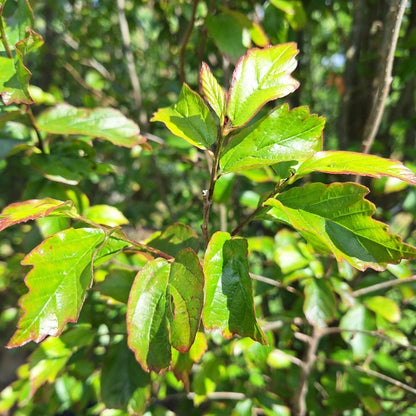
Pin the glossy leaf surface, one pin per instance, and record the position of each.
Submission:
(337, 219)
(14, 81)
(213, 92)
(190, 119)
(105, 123)
(164, 309)
(282, 135)
(106, 214)
(352, 163)
(32, 209)
(319, 305)
(229, 298)
(57, 283)
(260, 76)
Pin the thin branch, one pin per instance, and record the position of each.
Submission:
(131, 66)
(3, 35)
(32, 121)
(274, 283)
(374, 373)
(185, 42)
(376, 334)
(384, 285)
(384, 78)
(299, 398)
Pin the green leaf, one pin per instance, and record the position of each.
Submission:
(213, 92)
(147, 326)
(122, 379)
(282, 135)
(186, 288)
(19, 18)
(117, 285)
(46, 362)
(106, 214)
(319, 305)
(260, 76)
(227, 34)
(359, 318)
(164, 309)
(352, 163)
(57, 283)
(229, 298)
(190, 119)
(14, 81)
(294, 12)
(175, 238)
(337, 219)
(105, 123)
(385, 307)
(34, 208)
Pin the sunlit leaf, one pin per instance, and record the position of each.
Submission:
(34, 208)
(282, 135)
(104, 123)
(352, 163)
(360, 319)
(213, 92)
(385, 307)
(260, 76)
(229, 298)
(294, 11)
(190, 119)
(147, 325)
(337, 219)
(164, 309)
(57, 283)
(106, 214)
(319, 305)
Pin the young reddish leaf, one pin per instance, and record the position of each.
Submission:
(186, 288)
(57, 283)
(319, 305)
(190, 119)
(147, 325)
(282, 135)
(260, 76)
(34, 208)
(229, 298)
(355, 164)
(213, 92)
(105, 123)
(337, 219)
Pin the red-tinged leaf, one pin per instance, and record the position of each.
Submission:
(147, 325)
(260, 76)
(34, 208)
(104, 123)
(57, 283)
(186, 288)
(229, 299)
(213, 92)
(164, 309)
(282, 135)
(337, 219)
(189, 119)
(353, 163)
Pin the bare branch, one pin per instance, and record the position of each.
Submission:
(384, 285)
(384, 76)
(272, 282)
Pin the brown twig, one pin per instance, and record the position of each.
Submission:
(32, 121)
(272, 282)
(3, 36)
(384, 78)
(131, 66)
(185, 42)
(383, 285)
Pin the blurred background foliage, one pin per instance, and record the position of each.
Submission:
(87, 61)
